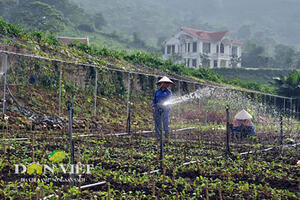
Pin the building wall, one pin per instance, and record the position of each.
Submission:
(216, 59)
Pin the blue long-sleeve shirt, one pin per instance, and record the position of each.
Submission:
(160, 96)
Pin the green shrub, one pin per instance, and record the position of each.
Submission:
(10, 30)
(86, 27)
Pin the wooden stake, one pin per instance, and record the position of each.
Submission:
(173, 177)
(32, 146)
(37, 194)
(206, 192)
(164, 174)
(59, 195)
(220, 194)
(177, 195)
(108, 192)
(153, 185)
(4, 146)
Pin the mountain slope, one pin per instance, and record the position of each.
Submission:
(160, 18)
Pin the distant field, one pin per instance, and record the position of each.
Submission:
(263, 76)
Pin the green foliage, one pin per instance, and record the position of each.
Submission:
(137, 57)
(86, 27)
(99, 21)
(262, 75)
(207, 74)
(47, 81)
(286, 56)
(254, 55)
(137, 40)
(10, 30)
(49, 15)
(70, 87)
(155, 62)
(251, 85)
(204, 59)
(40, 36)
(38, 15)
(289, 85)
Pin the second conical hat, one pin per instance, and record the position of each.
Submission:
(243, 114)
(165, 80)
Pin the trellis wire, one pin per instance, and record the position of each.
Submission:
(128, 103)
(59, 97)
(124, 71)
(95, 94)
(5, 82)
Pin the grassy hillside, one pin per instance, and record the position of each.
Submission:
(263, 76)
(65, 18)
(247, 19)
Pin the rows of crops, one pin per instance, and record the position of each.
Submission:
(125, 164)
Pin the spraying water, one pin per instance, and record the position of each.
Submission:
(198, 94)
(216, 98)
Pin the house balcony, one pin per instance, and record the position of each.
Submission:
(220, 55)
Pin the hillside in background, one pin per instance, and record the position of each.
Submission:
(268, 29)
(270, 21)
(38, 43)
(143, 25)
(65, 18)
(264, 76)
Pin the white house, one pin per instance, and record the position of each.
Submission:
(208, 49)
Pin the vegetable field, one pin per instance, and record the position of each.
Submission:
(127, 167)
(79, 131)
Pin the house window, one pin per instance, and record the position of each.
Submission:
(206, 63)
(170, 49)
(194, 62)
(188, 62)
(222, 48)
(194, 46)
(206, 47)
(223, 63)
(234, 51)
(215, 63)
(173, 49)
(217, 49)
(189, 47)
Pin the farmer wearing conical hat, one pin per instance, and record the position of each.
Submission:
(160, 97)
(242, 124)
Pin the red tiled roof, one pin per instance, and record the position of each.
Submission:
(237, 42)
(68, 40)
(185, 36)
(205, 35)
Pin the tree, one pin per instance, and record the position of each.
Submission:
(254, 55)
(288, 85)
(137, 40)
(284, 56)
(86, 27)
(204, 60)
(37, 15)
(99, 21)
(176, 57)
(235, 60)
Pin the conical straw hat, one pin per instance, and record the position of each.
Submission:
(164, 80)
(243, 114)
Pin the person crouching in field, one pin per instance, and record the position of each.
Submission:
(160, 97)
(242, 125)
